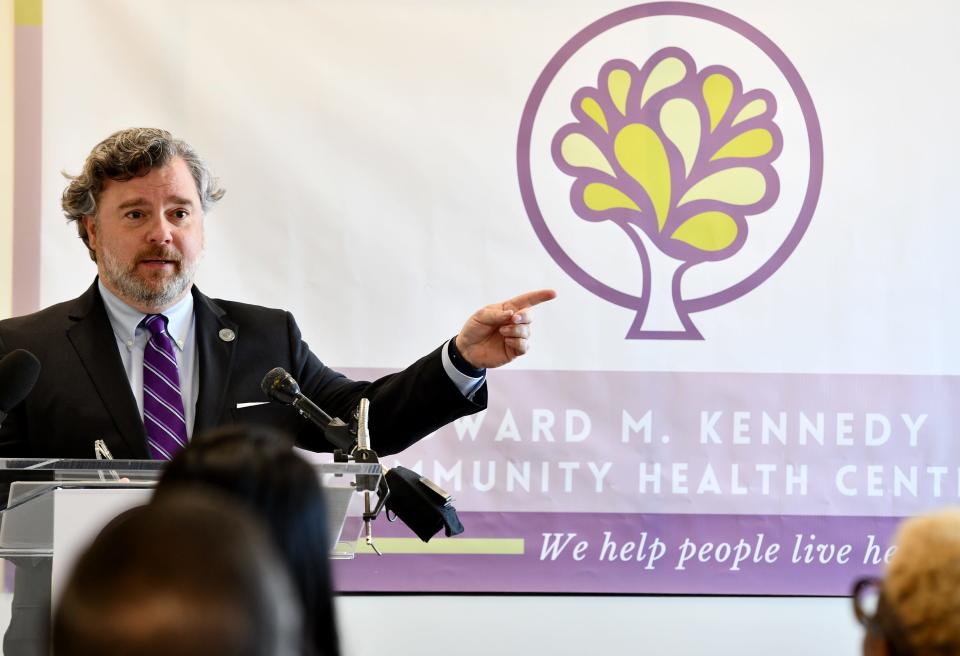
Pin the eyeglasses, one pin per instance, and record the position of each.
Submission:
(873, 612)
(866, 600)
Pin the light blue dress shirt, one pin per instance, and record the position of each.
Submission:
(132, 339)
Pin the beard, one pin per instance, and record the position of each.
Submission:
(157, 290)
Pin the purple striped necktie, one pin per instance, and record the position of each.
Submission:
(162, 403)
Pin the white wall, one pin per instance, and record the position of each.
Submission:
(675, 626)
(515, 625)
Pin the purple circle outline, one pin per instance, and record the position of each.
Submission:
(723, 19)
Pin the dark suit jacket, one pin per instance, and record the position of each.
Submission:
(83, 393)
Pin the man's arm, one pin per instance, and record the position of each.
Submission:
(404, 406)
(412, 403)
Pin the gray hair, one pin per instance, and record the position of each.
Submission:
(129, 154)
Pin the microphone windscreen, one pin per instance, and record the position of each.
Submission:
(280, 386)
(19, 371)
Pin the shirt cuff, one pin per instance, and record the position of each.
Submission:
(467, 384)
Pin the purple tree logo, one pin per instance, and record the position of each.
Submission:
(678, 159)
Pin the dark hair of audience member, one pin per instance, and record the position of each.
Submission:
(257, 466)
(192, 575)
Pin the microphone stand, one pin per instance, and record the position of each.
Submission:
(339, 434)
(418, 502)
(368, 483)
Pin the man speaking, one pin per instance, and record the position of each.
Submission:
(143, 360)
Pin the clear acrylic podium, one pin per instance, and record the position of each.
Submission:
(53, 508)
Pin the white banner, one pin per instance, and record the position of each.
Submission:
(392, 166)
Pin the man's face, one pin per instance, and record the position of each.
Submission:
(148, 236)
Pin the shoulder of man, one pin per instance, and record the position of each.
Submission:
(237, 310)
(262, 321)
(50, 321)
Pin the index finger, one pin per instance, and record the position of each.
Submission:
(529, 299)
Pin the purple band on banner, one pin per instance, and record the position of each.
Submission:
(716, 457)
(638, 554)
(703, 443)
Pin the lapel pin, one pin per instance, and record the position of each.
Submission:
(227, 335)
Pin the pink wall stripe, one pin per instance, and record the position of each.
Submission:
(27, 145)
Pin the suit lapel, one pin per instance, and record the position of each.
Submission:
(216, 338)
(93, 339)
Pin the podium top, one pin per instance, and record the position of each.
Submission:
(17, 468)
(54, 473)
(23, 479)
(27, 506)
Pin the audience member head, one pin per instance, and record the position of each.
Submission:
(258, 467)
(193, 574)
(917, 605)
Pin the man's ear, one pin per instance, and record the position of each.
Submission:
(90, 223)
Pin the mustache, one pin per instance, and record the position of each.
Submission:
(162, 253)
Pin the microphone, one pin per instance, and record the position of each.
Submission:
(280, 386)
(19, 371)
